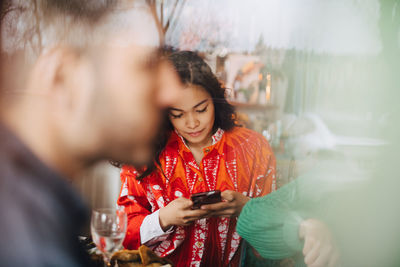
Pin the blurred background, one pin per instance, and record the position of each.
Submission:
(310, 75)
(318, 78)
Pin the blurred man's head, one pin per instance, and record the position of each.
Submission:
(78, 87)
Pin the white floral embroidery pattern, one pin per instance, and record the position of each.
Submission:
(200, 234)
(211, 167)
(223, 232)
(217, 136)
(234, 244)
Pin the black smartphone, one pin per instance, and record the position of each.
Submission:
(203, 198)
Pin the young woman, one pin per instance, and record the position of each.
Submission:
(203, 151)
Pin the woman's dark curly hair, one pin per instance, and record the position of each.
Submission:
(193, 70)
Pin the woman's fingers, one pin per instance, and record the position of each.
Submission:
(229, 207)
(308, 244)
(222, 209)
(196, 213)
(223, 213)
(312, 254)
(184, 203)
(228, 195)
(216, 206)
(324, 256)
(321, 255)
(319, 248)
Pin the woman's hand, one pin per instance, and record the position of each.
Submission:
(179, 212)
(231, 205)
(319, 249)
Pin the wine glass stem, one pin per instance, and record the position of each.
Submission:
(107, 261)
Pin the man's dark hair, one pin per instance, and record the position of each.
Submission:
(28, 27)
(24, 22)
(90, 10)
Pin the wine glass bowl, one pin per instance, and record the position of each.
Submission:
(108, 228)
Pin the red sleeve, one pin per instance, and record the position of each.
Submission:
(133, 198)
(267, 160)
(264, 168)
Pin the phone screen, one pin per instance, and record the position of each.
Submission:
(203, 198)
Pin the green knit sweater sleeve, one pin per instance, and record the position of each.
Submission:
(270, 224)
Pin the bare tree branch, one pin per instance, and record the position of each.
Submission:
(159, 19)
(153, 10)
(177, 15)
(170, 16)
(162, 13)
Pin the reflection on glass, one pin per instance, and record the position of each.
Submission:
(108, 228)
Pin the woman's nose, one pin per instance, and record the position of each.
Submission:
(191, 121)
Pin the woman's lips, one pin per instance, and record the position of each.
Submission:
(195, 134)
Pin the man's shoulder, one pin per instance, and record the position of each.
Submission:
(40, 210)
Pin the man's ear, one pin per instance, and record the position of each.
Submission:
(58, 74)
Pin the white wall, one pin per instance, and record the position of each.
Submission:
(100, 185)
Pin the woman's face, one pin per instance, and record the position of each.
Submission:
(192, 115)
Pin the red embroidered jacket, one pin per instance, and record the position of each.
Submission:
(239, 159)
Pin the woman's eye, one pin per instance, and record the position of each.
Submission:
(202, 110)
(175, 116)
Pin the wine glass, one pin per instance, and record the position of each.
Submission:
(108, 227)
